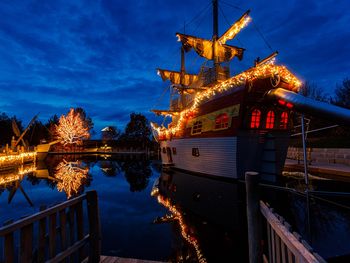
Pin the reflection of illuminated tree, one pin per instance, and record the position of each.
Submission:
(137, 173)
(72, 177)
(72, 129)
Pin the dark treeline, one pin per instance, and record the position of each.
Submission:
(137, 133)
(340, 135)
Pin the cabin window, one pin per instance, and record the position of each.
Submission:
(255, 121)
(221, 121)
(164, 150)
(284, 120)
(270, 119)
(174, 150)
(197, 127)
(195, 152)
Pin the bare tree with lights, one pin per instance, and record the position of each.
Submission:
(72, 129)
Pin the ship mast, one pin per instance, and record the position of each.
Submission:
(215, 36)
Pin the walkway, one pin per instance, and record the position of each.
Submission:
(324, 169)
(106, 259)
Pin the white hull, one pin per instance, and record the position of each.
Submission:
(217, 156)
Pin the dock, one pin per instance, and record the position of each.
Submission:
(328, 170)
(107, 259)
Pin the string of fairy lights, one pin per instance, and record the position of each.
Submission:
(259, 72)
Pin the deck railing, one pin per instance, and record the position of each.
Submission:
(55, 234)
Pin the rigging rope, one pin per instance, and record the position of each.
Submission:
(234, 6)
(228, 23)
(262, 36)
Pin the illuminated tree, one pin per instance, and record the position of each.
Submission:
(72, 129)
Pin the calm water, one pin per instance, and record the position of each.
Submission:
(185, 218)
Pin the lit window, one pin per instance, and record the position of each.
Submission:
(197, 127)
(221, 121)
(270, 120)
(255, 121)
(284, 120)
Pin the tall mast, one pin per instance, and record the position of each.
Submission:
(182, 95)
(215, 35)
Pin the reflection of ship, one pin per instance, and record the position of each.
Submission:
(223, 125)
(208, 212)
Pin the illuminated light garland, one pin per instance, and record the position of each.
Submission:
(72, 129)
(235, 29)
(16, 159)
(259, 72)
(184, 229)
(71, 176)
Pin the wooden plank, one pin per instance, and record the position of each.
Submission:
(42, 240)
(26, 244)
(63, 229)
(283, 252)
(9, 252)
(268, 232)
(290, 256)
(94, 227)
(80, 227)
(52, 235)
(71, 229)
(273, 259)
(31, 219)
(278, 249)
(69, 251)
(296, 247)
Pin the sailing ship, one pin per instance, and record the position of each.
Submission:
(224, 125)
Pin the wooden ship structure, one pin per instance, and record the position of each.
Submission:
(222, 125)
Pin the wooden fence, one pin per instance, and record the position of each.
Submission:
(56, 234)
(281, 245)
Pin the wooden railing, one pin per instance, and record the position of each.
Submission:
(283, 245)
(55, 234)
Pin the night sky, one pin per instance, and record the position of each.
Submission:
(102, 55)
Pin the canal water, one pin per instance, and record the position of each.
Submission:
(174, 216)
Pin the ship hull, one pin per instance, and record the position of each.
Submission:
(228, 157)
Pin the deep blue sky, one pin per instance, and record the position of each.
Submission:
(102, 55)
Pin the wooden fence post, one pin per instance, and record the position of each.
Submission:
(253, 216)
(94, 226)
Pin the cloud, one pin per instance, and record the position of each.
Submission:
(102, 55)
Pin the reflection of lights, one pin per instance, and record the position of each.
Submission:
(9, 178)
(16, 176)
(176, 215)
(16, 159)
(71, 176)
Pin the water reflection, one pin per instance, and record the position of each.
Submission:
(207, 214)
(72, 177)
(137, 173)
(126, 216)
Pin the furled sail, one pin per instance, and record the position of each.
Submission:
(204, 48)
(235, 28)
(177, 77)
